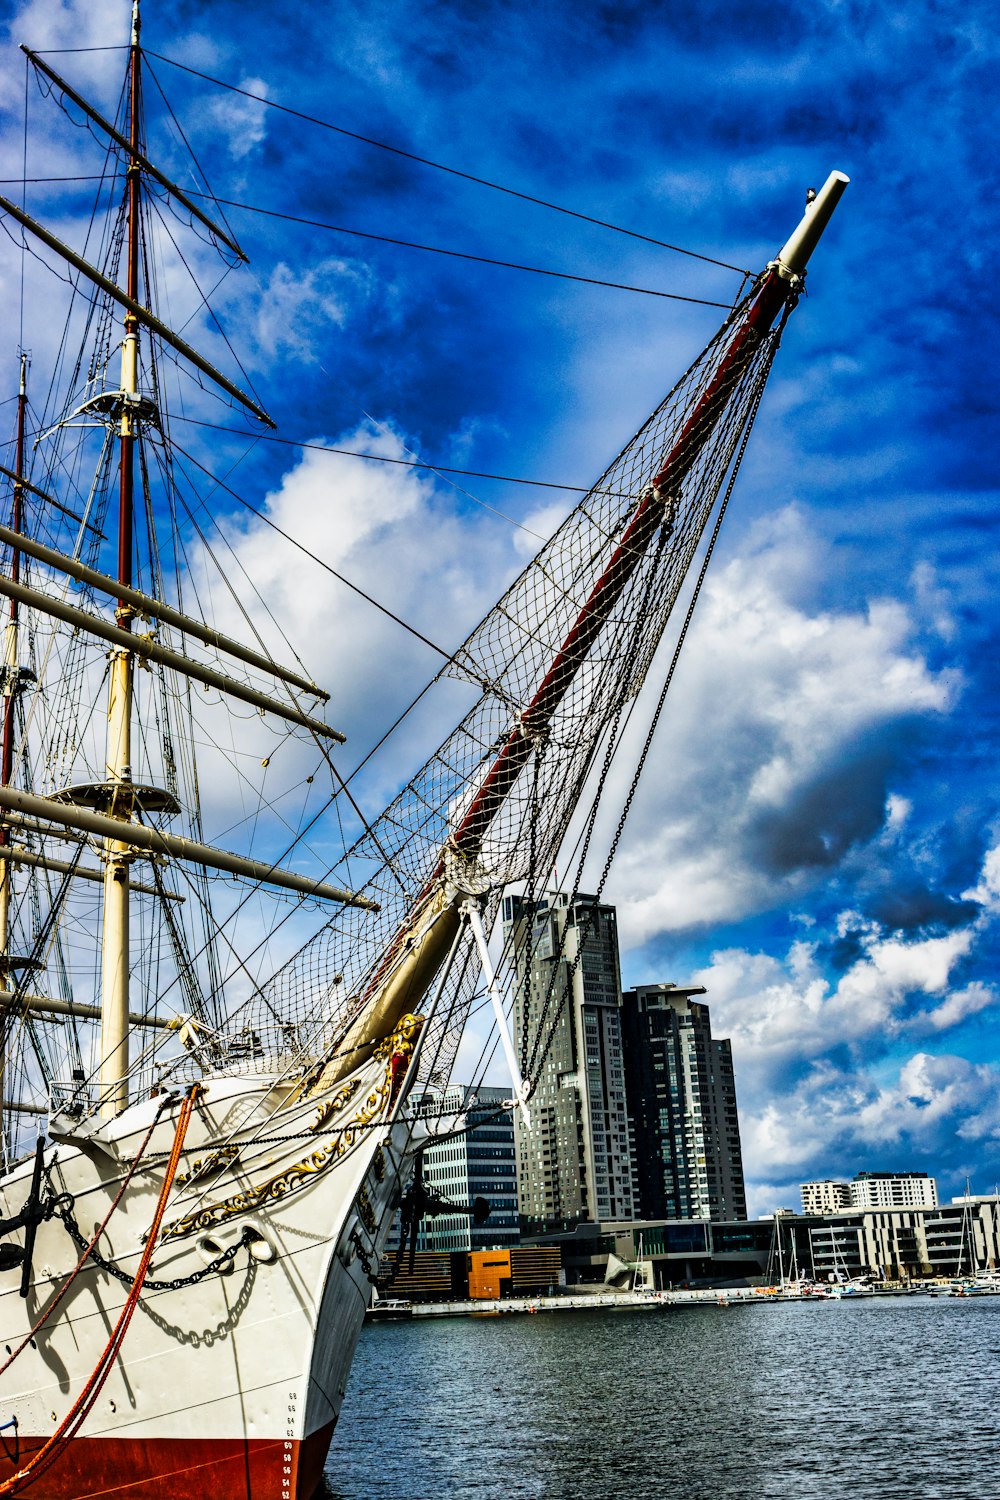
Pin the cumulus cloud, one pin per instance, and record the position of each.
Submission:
(826, 1080)
(986, 891)
(782, 1012)
(396, 534)
(780, 741)
(937, 1113)
(242, 122)
(929, 1100)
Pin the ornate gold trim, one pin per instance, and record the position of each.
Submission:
(335, 1104)
(365, 1211)
(205, 1166)
(399, 1045)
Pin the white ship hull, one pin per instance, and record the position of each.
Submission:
(229, 1386)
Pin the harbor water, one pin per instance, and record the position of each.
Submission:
(796, 1401)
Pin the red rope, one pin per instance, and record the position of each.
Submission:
(82, 1406)
(46, 1315)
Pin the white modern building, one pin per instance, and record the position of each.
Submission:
(870, 1190)
(828, 1196)
(893, 1190)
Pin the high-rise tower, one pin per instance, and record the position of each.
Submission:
(575, 1161)
(682, 1101)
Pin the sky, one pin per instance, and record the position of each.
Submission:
(817, 837)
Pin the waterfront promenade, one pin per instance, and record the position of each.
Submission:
(652, 1301)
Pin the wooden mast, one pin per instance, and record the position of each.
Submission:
(12, 681)
(118, 854)
(113, 810)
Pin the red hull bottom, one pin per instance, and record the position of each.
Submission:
(173, 1468)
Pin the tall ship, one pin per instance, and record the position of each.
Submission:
(201, 1165)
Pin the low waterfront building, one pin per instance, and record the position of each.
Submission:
(680, 1252)
(475, 1159)
(681, 1093)
(522, 1271)
(895, 1244)
(455, 1276)
(825, 1197)
(907, 1243)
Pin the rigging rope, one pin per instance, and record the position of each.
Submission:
(483, 260)
(540, 1053)
(357, 589)
(382, 458)
(53, 1448)
(88, 1246)
(438, 166)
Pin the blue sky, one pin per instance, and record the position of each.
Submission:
(817, 837)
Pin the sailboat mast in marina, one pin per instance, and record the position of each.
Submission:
(202, 1161)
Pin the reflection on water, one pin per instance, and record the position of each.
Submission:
(826, 1401)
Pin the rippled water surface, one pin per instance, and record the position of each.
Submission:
(875, 1398)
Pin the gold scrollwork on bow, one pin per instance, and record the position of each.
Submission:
(365, 1211)
(205, 1166)
(400, 1044)
(336, 1103)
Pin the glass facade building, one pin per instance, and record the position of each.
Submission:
(682, 1101)
(475, 1159)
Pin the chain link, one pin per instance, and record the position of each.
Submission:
(363, 1257)
(63, 1208)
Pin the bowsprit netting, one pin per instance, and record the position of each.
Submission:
(555, 661)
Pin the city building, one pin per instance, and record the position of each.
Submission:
(870, 1190)
(475, 1160)
(893, 1190)
(891, 1244)
(825, 1197)
(575, 1163)
(681, 1092)
(454, 1276)
(519, 1271)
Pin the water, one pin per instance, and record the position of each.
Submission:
(822, 1401)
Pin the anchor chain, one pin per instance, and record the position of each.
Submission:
(62, 1207)
(363, 1256)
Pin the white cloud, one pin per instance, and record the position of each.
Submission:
(241, 122)
(786, 1011)
(296, 311)
(780, 734)
(802, 1111)
(396, 535)
(848, 1122)
(987, 890)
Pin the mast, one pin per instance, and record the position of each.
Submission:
(12, 681)
(112, 811)
(118, 854)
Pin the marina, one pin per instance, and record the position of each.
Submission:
(679, 1297)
